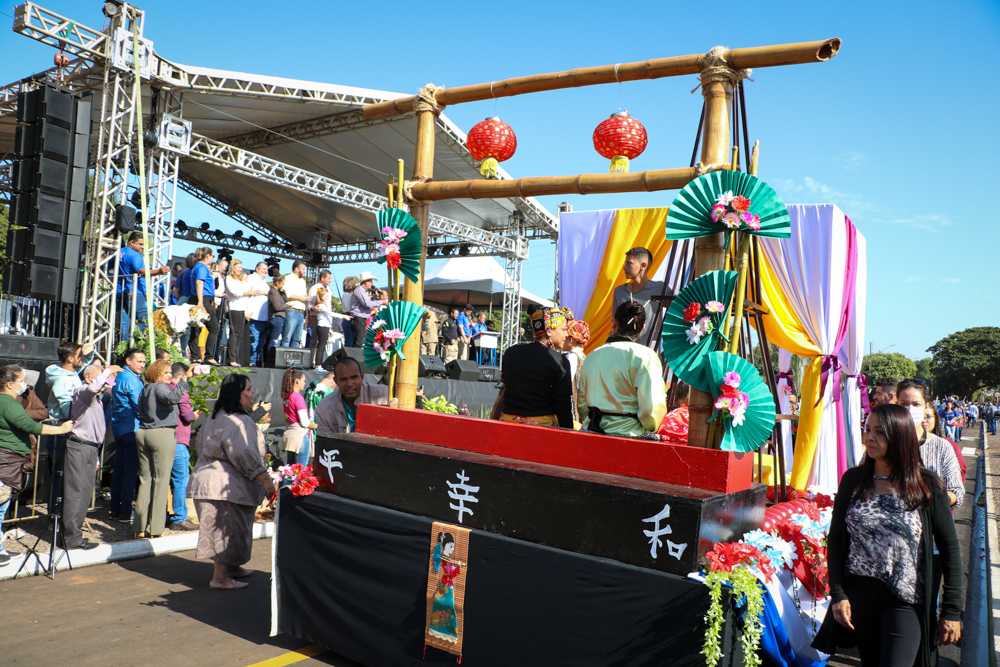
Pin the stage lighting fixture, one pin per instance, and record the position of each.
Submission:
(274, 240)
(219, 235)
(181, 226)
(252, 240)
(464, 251)
(111, 8)
(447, 250)
(302, 246)
(205, 226)
(238, 234)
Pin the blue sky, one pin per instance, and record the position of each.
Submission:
(898, 129)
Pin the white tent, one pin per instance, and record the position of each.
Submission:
(475, 280)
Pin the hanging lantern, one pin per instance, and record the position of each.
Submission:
(619, 138)
(491, 142)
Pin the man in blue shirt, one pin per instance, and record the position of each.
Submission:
(124, 425)
(131, 264)
(175, 283)
(464, 323)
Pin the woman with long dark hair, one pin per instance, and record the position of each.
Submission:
(621, 388)
(935, 453)
(932, 425)
(295, 441)
(888, 514)
(228, 483)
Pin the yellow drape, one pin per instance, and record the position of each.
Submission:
(785, 330)
(633, 227)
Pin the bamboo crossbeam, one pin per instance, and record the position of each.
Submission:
(754, 57)
(581, 184)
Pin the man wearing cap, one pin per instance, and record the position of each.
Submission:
(362, 304)
(465, 332)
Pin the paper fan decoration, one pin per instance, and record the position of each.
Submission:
(747, 409)
(726, 200)
(400, 242)
(389, 328)
(692, 326)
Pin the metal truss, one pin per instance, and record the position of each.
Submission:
(513, 271)
(200, 191)
(65, 34)
(164, 168)
(346, 121)
(114, 154)
(6, 175)
(80, 75)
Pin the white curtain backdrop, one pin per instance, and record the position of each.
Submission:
(583, 237)
(852, 352)
(810, 268)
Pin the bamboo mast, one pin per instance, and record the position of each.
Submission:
(423, 171)
(759, 56)
(717, 82)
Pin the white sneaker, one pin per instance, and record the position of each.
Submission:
(14, 534)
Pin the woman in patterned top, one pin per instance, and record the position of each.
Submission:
(888, 513)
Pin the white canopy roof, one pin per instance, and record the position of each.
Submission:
(475, 280)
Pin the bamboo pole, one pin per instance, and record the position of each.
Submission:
(709, 251)
(423, 170)
(581, 184)
(759, 56)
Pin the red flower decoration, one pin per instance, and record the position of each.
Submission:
(732, 392)
(721, 557)
(692, 312)
(394, 260)
(740, 203)
(812, 511)
(823, 501)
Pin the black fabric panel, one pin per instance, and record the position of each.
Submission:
(352, 577)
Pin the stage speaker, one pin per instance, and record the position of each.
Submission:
(288, 357)
(463, 370)
(431, 366)
(489, 374)
(125, 218)
(29, 348)
(355, 353)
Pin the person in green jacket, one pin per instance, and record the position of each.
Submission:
(16, 429)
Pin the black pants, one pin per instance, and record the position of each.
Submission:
(358, 326)
(317, 344)
(886, 628)
(213, 330)
(239, 339)
(79, 475)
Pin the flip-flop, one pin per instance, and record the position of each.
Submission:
(231, 586)
(242, 573)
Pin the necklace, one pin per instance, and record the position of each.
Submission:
(884, 479)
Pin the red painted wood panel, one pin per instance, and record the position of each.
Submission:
(694, 467)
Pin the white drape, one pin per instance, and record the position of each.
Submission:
(583, 238)
(852, 353)
(810, 268)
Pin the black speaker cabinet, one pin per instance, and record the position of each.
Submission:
(288, 357)
(463, 370)
(430, 365)
(489, 374)
(25, 348)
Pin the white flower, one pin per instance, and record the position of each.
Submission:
(725, 198)
(694, 334)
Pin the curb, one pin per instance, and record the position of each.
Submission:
(110, 553)
(991, 484)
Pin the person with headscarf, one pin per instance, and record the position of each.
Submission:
(577, 337)
(621, 382)
(537, 378)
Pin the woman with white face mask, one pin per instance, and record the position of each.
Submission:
(935, 453)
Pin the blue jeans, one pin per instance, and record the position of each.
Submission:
(258, 341)
(291, 335)
(125, 306)
(179, 482)
(303, 455)
(3, 513)
(276, 325)
(348, 333)
(126, 474)
(993, 425)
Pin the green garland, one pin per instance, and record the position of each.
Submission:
(744, 586)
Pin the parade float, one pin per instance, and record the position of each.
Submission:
(434, 538)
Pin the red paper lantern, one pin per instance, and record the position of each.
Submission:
(491, 141)
(620, 138)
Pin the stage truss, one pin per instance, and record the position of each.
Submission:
(101, 61)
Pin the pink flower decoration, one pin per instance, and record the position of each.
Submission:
(754, 222)
(717, 212)
(732, 220)
(733, 379)
(714, 307)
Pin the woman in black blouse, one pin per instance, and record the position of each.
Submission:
(880, 551)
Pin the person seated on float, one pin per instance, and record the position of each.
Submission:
(621, 383)
(536, 376)
(337, 412)
(674, 428)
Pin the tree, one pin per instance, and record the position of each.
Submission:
(925, 373)
(966, 361)
(882, 365)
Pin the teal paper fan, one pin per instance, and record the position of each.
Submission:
(409, 246)
(690, 214)
(402, 315)
(758, 423)
(686, 360)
